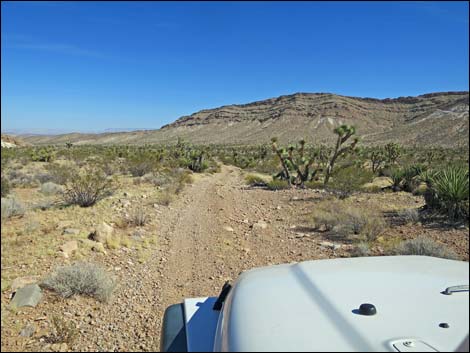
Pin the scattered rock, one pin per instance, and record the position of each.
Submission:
(228, 229)
(327, 244)
(23, 281)
(29, 295)
(73, 231)
(69, 247)
(301, 235)
(260, 225)
(101, 233)
(28, 331)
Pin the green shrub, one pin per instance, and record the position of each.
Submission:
(86, 188)
(349, 179)
(83, 279)
(425, 247)
(254, 180)
(448, 192)
(278, 185)
(43, 154)
(62, 331)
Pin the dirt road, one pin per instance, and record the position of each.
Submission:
(217, 228)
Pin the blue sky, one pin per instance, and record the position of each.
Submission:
(81, 66)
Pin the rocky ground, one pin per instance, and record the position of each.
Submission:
(216, 228)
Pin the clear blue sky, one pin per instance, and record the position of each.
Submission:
(97, 65)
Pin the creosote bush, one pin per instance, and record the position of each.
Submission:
(348, 222)
(425, 247)
(83, 279)
(86, 188)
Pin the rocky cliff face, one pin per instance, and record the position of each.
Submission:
(430, 119)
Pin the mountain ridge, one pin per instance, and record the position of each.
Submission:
(438, 118)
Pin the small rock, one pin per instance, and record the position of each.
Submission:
(69, 247)
(28, 331)
(29, 295)
(260, 225)
(327, 244)
(322, 228)
(228, 229)
(71, 231)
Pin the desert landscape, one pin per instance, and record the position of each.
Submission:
(234, 176)
(106, 235)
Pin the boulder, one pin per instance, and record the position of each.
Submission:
(101, 233)
(29, 295)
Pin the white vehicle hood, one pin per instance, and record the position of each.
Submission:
(312, 306)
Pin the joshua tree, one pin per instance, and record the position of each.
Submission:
(344, 132)
(298, 162)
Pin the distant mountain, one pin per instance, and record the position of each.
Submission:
(430, 119)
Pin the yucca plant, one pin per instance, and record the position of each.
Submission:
(397, 175)
(451, 187)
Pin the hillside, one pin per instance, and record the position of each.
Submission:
(430, 119)
(10, 141)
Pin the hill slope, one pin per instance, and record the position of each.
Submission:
(430, 119)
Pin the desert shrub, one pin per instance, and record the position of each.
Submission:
(86, 188)
(348, 222)
(349, 179)
(51, 188)
(5, 186)
(11, 208)
(360, 250)
(448, 192)
(21, 179)
(425, 247)
(60, 173)
(164, 198)
(409, 215)
(43, 154)
(278, 185)
(83, 279)
(141, 164)
(255, 180)
(62, 331)
(138, 216)
(43, 177)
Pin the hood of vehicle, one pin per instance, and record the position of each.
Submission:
(314, 306)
